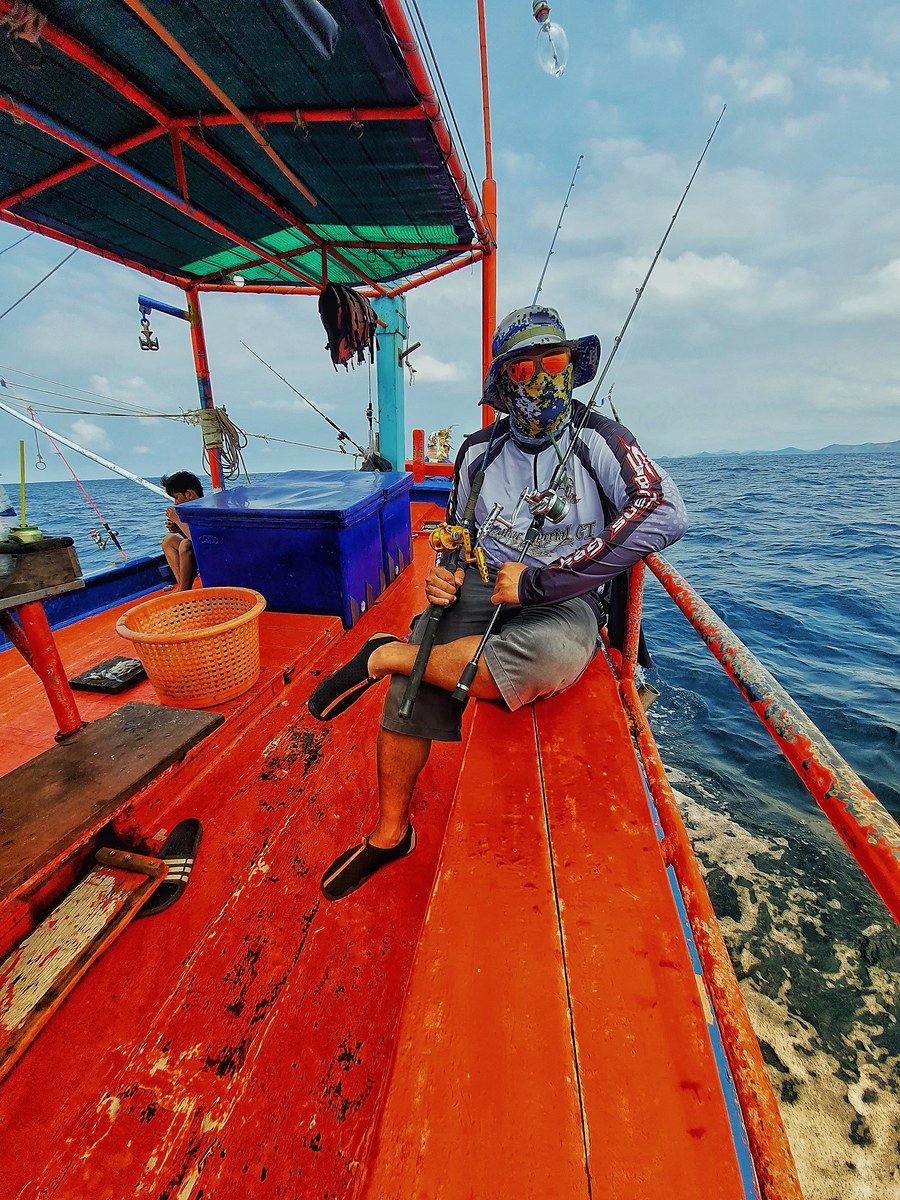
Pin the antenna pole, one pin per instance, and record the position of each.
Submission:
(659, 249)
(558, 228)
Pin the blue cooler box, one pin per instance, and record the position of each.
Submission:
(309, 541)
(396, 527)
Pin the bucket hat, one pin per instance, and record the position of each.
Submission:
(537, 326)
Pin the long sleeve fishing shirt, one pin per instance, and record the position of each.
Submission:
(622, 506)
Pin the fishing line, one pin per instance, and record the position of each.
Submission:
(640, 291)
(39, 282)
(76, 393)
(144, 414)
(342, 436)
(423, 34)
(111, 534)
(18, 243)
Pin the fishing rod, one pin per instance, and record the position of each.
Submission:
(342, 436)
(548, 504)
(104, 462)
(558, 228)
(435, 612)
(640, 291)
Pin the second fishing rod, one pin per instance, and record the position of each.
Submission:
(550, 503)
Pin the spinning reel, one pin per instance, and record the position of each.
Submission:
(548, 504)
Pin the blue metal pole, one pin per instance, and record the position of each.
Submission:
(389, 339)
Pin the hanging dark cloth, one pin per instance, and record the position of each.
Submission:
(350, 324)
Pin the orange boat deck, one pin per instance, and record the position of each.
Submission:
(510, 1012)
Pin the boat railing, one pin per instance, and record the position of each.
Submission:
(864, 824)
(868, 829)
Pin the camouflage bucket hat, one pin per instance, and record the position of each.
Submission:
(537, 326)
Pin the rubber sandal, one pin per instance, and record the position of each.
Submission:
(357, 865)
(335, 694)
(178, 853)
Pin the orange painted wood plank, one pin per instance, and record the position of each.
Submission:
(482, 1097)
(39, 974)
(240, 1038)
(67, 794)
(652, 1096)
(27, 725)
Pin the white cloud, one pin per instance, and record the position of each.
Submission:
(752, 78)
(864, 78)
(655, 41)
(90, 435)
(876, 294)
(433, 370)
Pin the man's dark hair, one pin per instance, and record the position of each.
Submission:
(181, 481)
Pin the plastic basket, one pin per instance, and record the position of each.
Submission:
(200, 647)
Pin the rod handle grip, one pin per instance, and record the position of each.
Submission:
(461, 691)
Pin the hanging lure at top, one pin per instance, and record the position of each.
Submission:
(552, 43)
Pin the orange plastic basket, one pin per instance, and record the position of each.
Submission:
(200, 647)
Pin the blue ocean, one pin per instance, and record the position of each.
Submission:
(800, 556)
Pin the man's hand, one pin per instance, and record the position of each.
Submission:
(441, 586)
(506, 587)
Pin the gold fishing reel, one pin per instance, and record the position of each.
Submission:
(456, 537)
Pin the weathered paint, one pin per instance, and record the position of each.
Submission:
(865, 825)
(43, 657)
(765, 1131)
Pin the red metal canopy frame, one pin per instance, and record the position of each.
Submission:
(189, 131)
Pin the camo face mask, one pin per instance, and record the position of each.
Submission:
(540, 407)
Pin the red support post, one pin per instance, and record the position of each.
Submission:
(489, 199)
(204, 381)
(48, 666)
(393, 10)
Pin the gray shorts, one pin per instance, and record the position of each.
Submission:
(533, 652)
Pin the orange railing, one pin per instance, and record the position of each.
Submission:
(867, 828)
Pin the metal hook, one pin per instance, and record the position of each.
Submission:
(146, 339)
(356, 125)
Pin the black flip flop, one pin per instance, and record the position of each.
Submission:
(357, 865)
(178, 853)
(335, 694)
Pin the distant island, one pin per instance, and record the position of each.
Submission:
(834, 448)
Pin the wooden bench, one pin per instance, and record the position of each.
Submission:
(554, 1041)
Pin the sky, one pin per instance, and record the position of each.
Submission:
(770, 319)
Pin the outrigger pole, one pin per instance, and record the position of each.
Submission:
(104, 462)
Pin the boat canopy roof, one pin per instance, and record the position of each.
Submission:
(270, 139)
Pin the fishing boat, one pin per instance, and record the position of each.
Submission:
(539, 1002)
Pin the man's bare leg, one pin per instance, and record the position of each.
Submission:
(445, 665)
(401, 757)
(400, 761)
(170, 550)
(187, 566)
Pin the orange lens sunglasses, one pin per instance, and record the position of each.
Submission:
(552, 362)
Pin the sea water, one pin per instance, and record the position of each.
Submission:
(800, 556)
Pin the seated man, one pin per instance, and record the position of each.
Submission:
(176, 545)
(614, 506)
